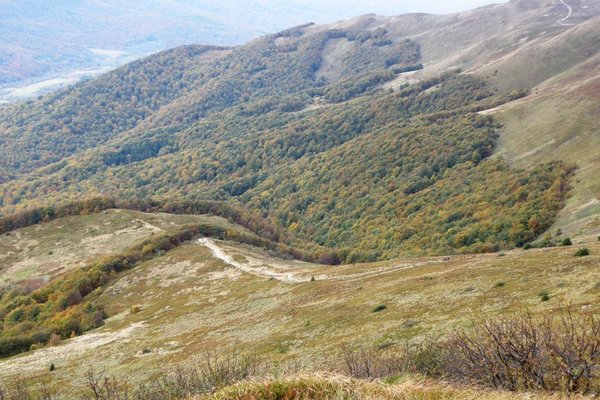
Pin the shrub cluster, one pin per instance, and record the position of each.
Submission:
(553, 353)
(582, 252)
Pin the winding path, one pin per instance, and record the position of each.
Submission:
(293, 277)
(570, 12)
(286, 277)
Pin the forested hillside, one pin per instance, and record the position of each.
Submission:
(349, 152)
(207, 218)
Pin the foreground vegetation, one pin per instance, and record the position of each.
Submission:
(552, 354)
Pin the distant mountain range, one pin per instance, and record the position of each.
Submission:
(47, 45)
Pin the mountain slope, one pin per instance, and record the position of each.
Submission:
(261, 124)
(48, 46)
(173, 308)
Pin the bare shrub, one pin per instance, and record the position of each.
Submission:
(102, 387)
(361, 363)
(19, 390)
(425, 358)
(212, 371)
(573, 346)
(556, 353)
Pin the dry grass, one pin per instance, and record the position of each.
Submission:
(189, 302)
(335, 387)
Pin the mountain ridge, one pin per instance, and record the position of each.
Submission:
(377, 198)
(242, 114)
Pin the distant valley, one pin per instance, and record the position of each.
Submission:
(47, 47)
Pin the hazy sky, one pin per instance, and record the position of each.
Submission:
(395, 7)
(43, 38)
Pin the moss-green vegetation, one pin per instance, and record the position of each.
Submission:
(361, 175)
(566, 242)
(582, 252)
(327, 154)
(379, 308)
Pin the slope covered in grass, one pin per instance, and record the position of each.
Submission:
(172, 308)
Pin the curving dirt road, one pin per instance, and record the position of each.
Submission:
(286, 277)
(570, 12)
(257, 268)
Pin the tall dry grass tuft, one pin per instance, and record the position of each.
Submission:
(323, 386)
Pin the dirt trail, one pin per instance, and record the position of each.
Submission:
(570, 12)
(286, 277)
(303, 275)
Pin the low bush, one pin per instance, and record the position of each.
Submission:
(379, 308)
(553, 353)
(582, 252)
(544, 296)
(425, 358)
(566, 242)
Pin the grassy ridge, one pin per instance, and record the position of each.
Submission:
(237, 215)
(63, 308)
